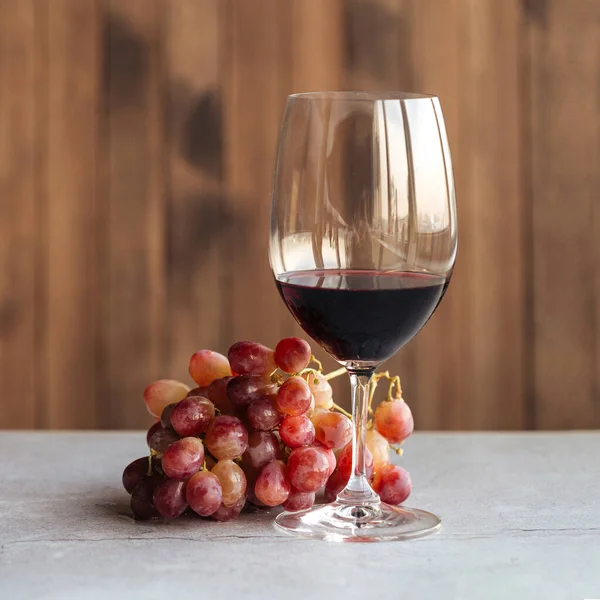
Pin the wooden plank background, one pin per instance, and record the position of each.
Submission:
(136, 149)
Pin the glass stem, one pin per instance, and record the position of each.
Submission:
(358, 492)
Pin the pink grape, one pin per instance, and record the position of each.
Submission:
(299, 500)
(183, 458)
(152, 430)
(192, 416)
(344, 461)
(294, 397)
(162, 439)
(232, 480)
(204, 493)
(335, 484)
(226, 437)
(142, 504)
(272, 487)
(379, 447)
(292, 354)
(163, 392)
(263, 414)
(297, 431)
(251, 357)
(394, 420)
(134, 473)
(321, 390)
(332, 429)
(329, 453)
(217, 394)
(308, 469)
(207, 365)
(169, 498)
(263, 447)
(392, 483)
(245, 389)
(228, 513)
(165, 417)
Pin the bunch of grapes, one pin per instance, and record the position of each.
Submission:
(261, 427)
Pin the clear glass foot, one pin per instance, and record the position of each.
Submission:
(340, 522)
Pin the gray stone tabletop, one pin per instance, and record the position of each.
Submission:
(521, 519)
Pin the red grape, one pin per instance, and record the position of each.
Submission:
(297, 431)
(244, 389)
(162, 393)
(328, 452)
(308, 469)
(299, 500)
(263, 414)
(217, 394)
(192, 416)
(392, 483)
(321, 391)
(204, 493)
(206, 366)
(272, 488)
(344, 462)
(335, 484)
(250, 357)
(394, 420)
(263, 447)
(228, 513)
(199, 391)
(332, 429)
(294, 396)
(165, 417)
(162, 439)
(153, 429)
(292, 354)
(134, 473)
(183, 458)
(232, 480)
(379, 447)
(226, 437)
(142, 504)
(169, 498)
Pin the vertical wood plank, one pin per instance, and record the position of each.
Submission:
(19, 240)
(201, 215)
(133, 123)
(565, 179)
(72, 324)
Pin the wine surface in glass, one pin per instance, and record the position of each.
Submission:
(361, 315)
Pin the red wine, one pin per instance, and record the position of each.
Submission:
(361, 315)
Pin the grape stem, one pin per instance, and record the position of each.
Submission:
(342, 410)
(315, 360)
(150, 464)
(335, 373)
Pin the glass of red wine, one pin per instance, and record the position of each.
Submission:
(363, 243)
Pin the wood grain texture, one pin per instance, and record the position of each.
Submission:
(134, 279)
(19, 242)
(565, 153)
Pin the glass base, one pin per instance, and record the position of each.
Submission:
(337, 522)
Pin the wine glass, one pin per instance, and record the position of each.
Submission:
(363, 243)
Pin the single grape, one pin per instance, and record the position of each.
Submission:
(392, 483)
(192, 416)
(394, 420)
(142, 504)
(293, 397)
(165, 418)
(263, 447)
(169, 498)
(217, 394)
(134, 473)
(329, 453)
(308, 469)
(226, 437)
(299, 500)
(206, 366)
(232, 480)
(152, 430)
(344, 461)
(335, 484)
(263, 414)
(292, 354)
(163, 392)
(250, 357)
(332, 429)
(200, 391)
(321, 391)
(297, 431)
(162, 439)
(245, 389)
(379, 447)
(204, 493)
(183, 458)
(272, 487)
(228, 513)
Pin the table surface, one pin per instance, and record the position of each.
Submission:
(520, 512)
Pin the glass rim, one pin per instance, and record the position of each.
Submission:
(360, 96)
